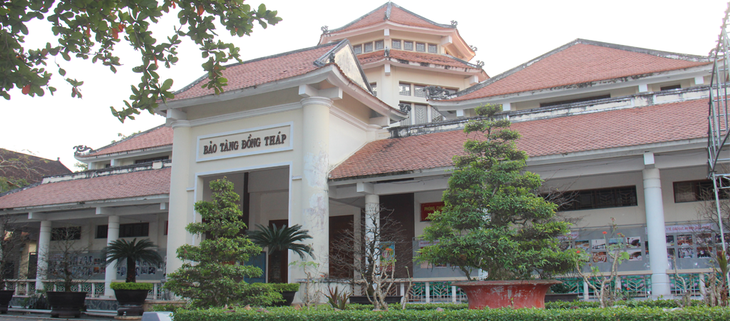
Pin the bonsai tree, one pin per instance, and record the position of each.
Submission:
(369, 254)
(278, 240)
(493, 219)
(67, 261)
(212, 273)
(121, 250)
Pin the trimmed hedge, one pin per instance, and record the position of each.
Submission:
(631, 304)
(284, 287)
(587, 314)
(131, 286)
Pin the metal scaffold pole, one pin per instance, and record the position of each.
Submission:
(717, 123)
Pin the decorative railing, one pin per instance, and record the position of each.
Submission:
(94, 288)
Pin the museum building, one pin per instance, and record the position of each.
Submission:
(370, 118)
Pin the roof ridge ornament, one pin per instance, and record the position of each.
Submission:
(473, 48)
(325, 30)
(82, 149)
(454, 23)
(436, 92)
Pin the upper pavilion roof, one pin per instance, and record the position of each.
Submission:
(579, 63)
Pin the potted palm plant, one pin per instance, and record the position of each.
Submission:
(130, 294)
(278, 241)
(66, 264)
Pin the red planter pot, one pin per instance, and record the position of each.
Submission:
(498, 294)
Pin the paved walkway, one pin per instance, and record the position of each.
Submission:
(25, 316)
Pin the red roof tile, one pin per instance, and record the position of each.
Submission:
(571, 134)
(418, 57)
(156, 137)
(395, 14)
(120, 186)
(581, 62)
(261, 71)
(28, 167)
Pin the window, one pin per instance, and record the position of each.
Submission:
(407, 45)
(150, 160)
(432, 48)
(577, 100)
(374, 86)
(395, 44)
(600, 198)
(670, 87)
(404, 89)
(367, 47)
(166, 226)
(66, 233)
(126, 230)
(357, 49)
(379, 45)
(692, 191)
(419, 91)
(420, 47)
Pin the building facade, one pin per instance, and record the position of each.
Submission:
(371, 117)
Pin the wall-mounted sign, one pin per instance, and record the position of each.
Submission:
(246, 142)
(428, 208)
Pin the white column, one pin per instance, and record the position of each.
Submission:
(112, 234)
(372, 218)
(180, 214)
(655, 227)
(44, 251)
(314, 188)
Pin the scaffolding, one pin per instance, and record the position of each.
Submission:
(718, 128)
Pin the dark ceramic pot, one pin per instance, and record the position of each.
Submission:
(130, 302)
(361, 299)
(5, 297)
(561, 297)
(66, 304)
(499, 294)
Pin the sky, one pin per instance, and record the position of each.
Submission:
(506, 34)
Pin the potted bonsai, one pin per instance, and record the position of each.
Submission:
(10, 246)
(130, 294)
(495, 221)
(66, 264)
(278, 241)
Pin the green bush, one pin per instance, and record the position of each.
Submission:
(285, 287)
(670, 304)
(131, 286)
(506, 314)
(166, 307)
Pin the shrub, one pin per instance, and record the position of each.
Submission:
(505, 314)
(131, 286)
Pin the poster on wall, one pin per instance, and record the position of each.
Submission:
(633, 242)
(670, 240)
(634, 255)
(428, 208)
(598, 244)
(583, 244)
(684, 240)
(600, 257)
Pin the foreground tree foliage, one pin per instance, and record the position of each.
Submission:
(90, 29)
(493, 219)
(213, 272)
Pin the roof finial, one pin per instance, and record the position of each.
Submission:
(454, 23)
(325, 30)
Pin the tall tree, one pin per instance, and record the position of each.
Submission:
(90, 29)
(213, 272)
(493, 219)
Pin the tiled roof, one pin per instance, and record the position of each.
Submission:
(554, 136)
(120, 186)
(155, 137)
(418, 57)
(392, 12)
(579, 62)
(29, 167)
(261, 71)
